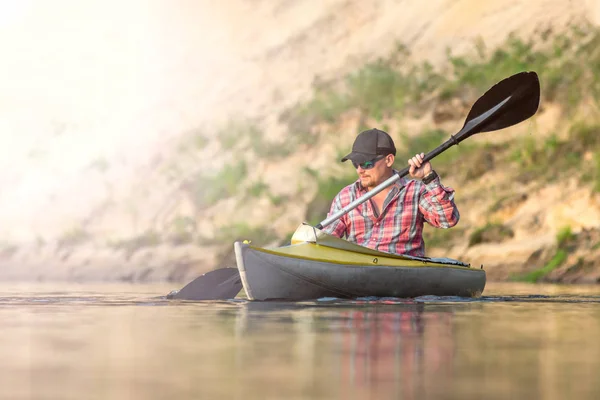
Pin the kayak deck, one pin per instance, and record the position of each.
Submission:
(322, 253)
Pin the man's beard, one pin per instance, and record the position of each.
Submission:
(367, 182)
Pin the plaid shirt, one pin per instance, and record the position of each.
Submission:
(399, 227)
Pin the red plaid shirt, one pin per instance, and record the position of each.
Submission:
(399, 227)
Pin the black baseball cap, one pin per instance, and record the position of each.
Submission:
(370, 144)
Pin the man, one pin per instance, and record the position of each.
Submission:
(392, 220)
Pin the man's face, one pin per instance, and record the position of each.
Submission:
(371, 177)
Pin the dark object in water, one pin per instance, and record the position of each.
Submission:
(223, 283)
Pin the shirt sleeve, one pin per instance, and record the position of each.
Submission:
(338, 227)
(437, 205)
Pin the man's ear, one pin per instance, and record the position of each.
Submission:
(389, 160)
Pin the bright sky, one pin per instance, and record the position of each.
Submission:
(83, 80)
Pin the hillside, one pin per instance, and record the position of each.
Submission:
(234, 128)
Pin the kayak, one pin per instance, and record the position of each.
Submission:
(317, 265)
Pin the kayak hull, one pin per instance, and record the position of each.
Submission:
(308, 271)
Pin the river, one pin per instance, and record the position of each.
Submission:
(128, 342)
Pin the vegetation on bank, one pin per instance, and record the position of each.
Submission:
(563, 238)
(567, 65)
(73, 237)
(182, 231)
(553, 157)
(490, 232)
(7, 249)
(537, 275)
(148, 239)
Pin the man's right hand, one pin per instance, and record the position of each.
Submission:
(418, 169)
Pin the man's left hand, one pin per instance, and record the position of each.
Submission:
(418, 169)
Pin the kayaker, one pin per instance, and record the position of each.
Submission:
(391, 221)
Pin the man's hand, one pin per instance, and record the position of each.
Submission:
(418, 169)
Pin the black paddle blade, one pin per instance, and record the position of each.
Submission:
(220, 284)
(510, 101)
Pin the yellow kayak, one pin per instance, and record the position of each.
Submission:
(317, 265)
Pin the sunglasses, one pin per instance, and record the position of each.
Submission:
(368, 164)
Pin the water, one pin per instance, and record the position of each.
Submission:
(127, 342)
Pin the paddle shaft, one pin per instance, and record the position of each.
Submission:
(469, 129)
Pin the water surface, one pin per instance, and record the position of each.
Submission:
(128, 342)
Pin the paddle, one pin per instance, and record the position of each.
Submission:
(219, 284)
(505, 104)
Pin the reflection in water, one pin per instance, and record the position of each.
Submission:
(359, 351)
(126, 343)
